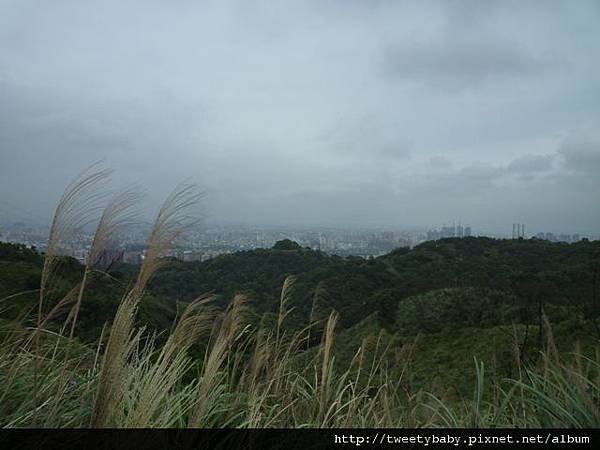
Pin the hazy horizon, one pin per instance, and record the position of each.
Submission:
(340, 113)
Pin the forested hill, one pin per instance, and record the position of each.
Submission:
(444, 302)
(528, 270)
(447, 300)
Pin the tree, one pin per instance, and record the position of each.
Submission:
(287, 244)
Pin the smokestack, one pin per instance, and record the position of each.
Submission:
(514, 230)
(523, 230)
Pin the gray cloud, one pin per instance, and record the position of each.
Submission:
(439, 161)
(531, 163)
(581, 153)
(281, 111)
(471, 45)
(459, 64)
(528, 166)
(396, 150)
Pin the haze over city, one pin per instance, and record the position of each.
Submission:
(333, 113)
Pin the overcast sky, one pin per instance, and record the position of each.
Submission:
(342, 112)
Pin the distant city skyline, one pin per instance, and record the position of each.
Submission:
(502, 229)
(201, 244)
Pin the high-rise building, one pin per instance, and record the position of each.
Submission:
(518, 230)
(433, 235)
(459, 231)
(467, 232)
(322, 242)
(448, 232)
(387, 236)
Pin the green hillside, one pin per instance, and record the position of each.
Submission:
(422, 316)
(20, 270)
(559, 273)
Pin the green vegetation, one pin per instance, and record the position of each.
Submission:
(457, 332)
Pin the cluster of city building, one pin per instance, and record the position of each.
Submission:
(449, 232)
(570, 238)
(518, 231)
(211, 241)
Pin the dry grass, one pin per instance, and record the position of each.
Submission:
(76, 208)
(171, 221)
(116, 216)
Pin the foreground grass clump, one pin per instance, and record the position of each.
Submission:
(256, 379)
(216, 369)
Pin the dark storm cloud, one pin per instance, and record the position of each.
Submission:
(386, 112)
(467, 48)
(581, 153)
(439, 161)
(528, 166)
(396, 150)
(459, 64)
(531, 163)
